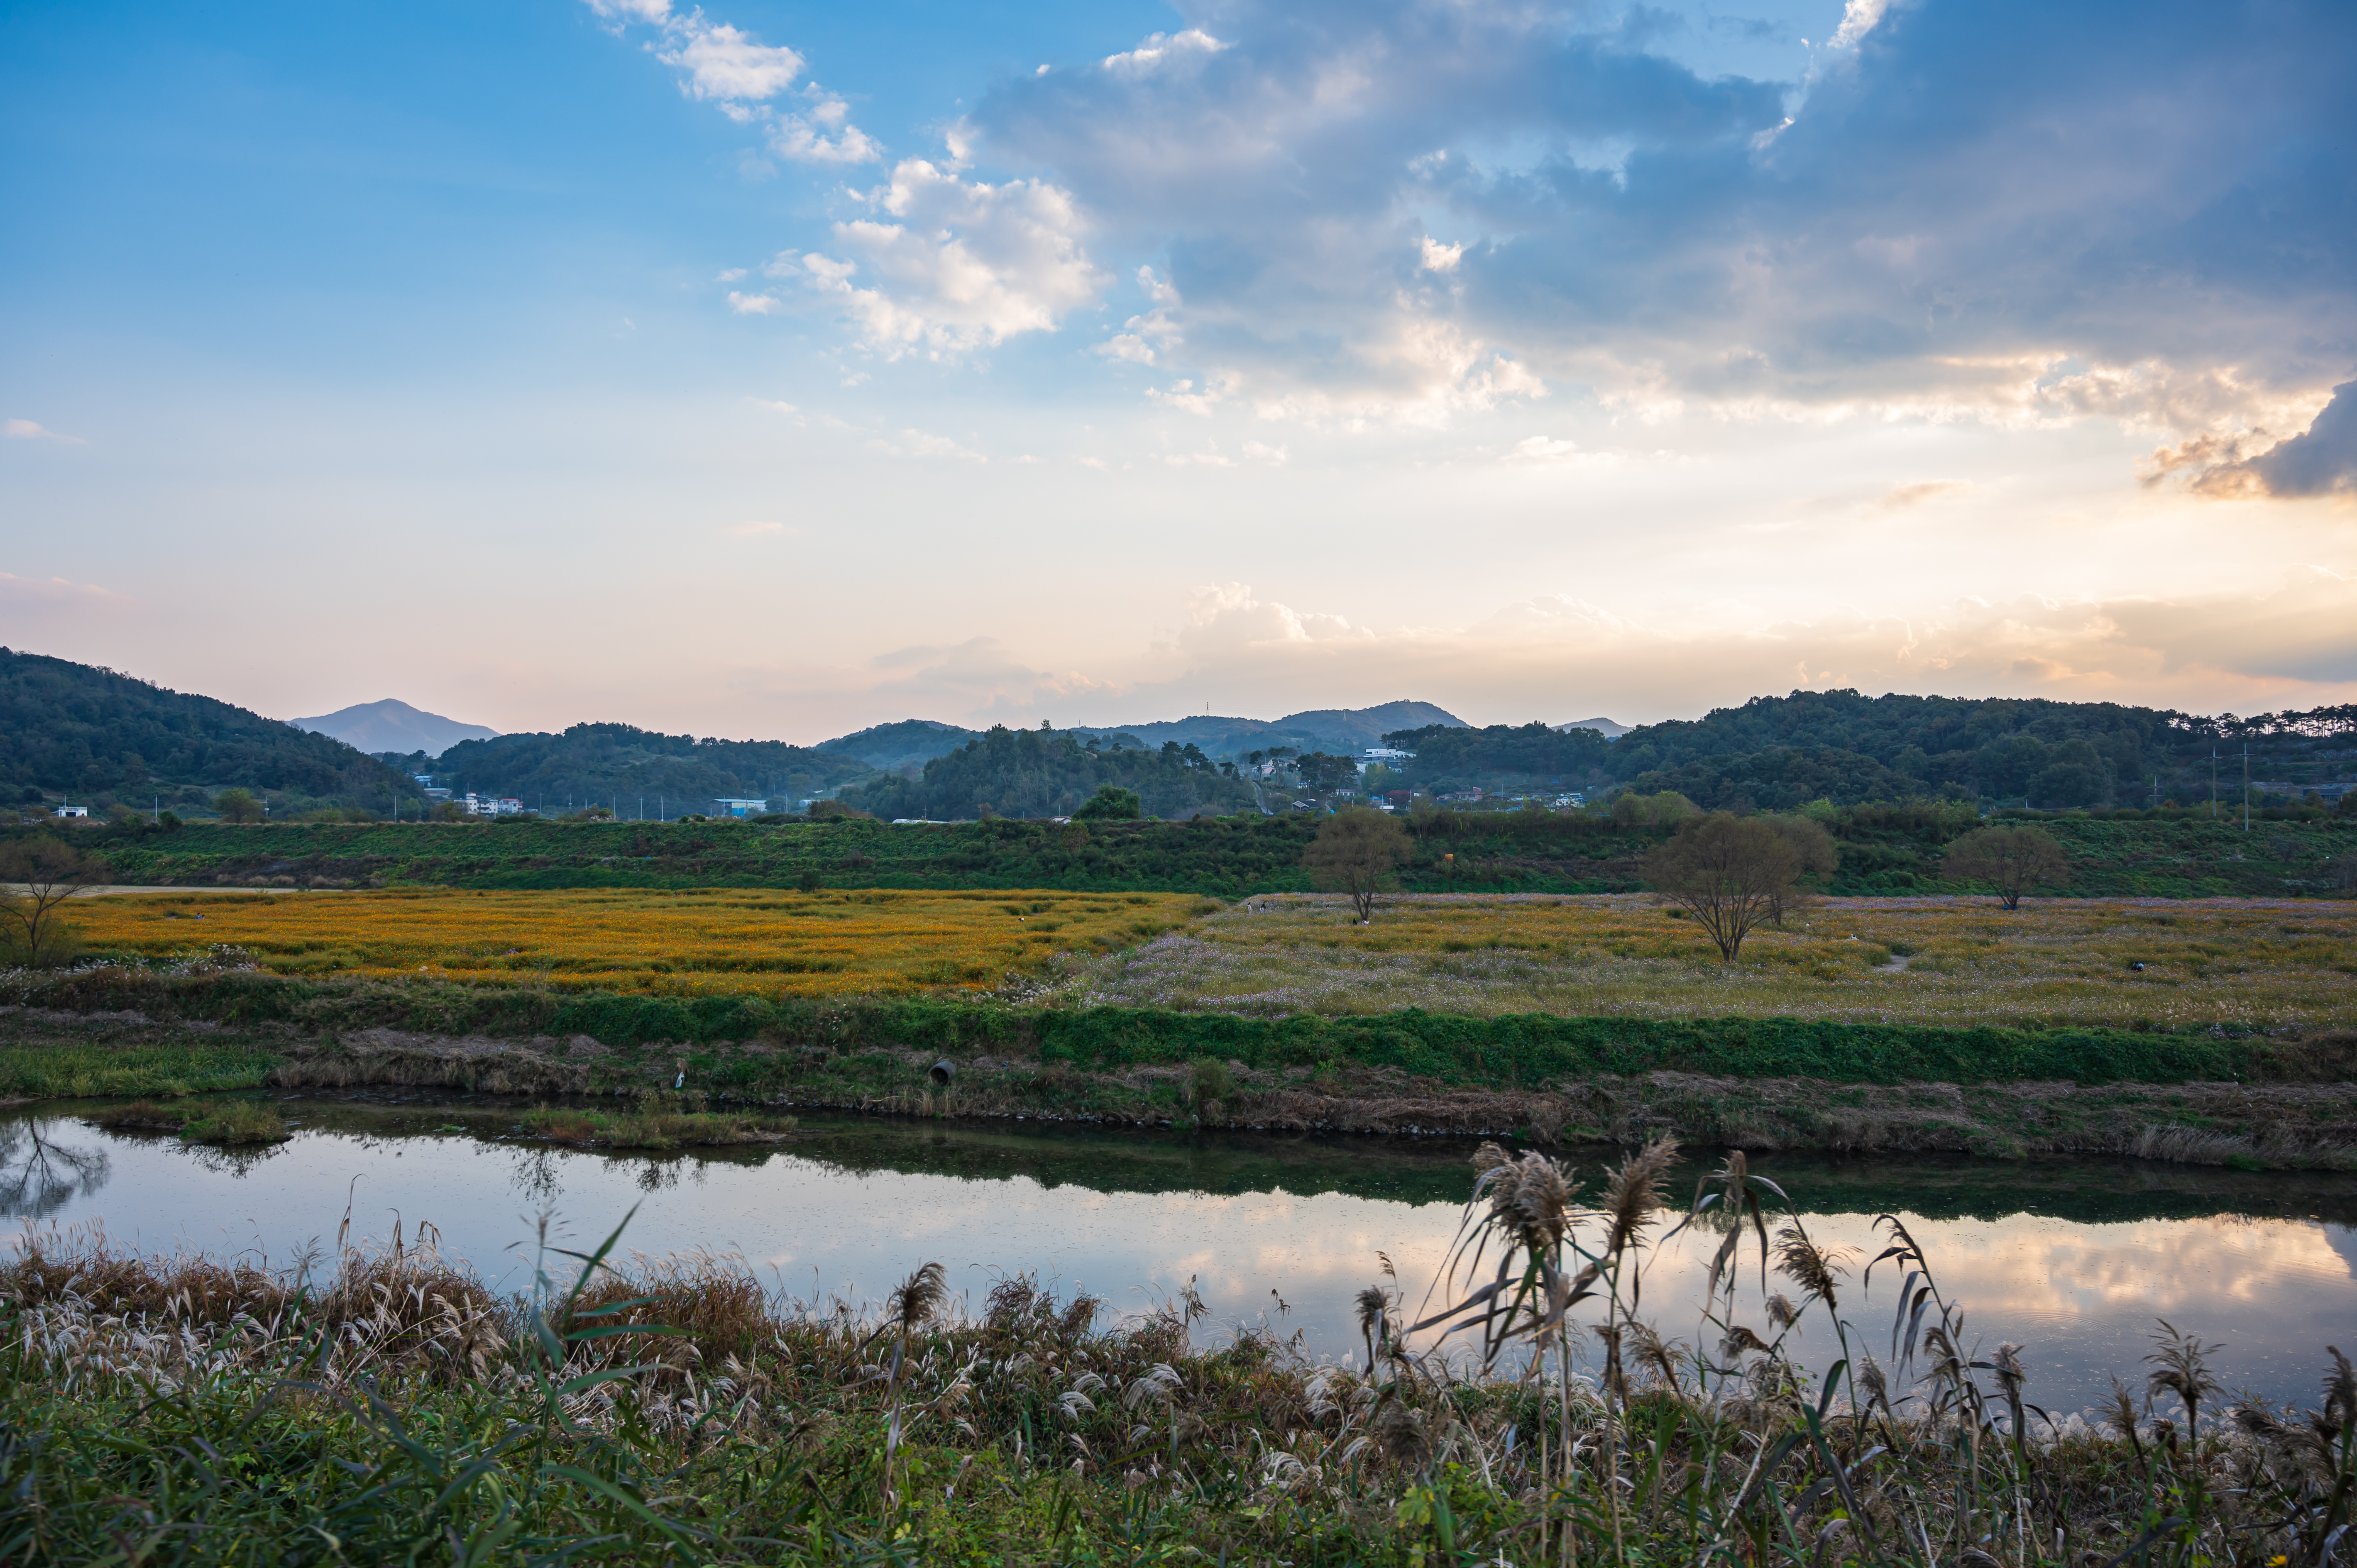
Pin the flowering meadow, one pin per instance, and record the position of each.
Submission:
(2161, 963)
(774, 942)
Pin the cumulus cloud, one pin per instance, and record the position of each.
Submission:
(753, 303)
(738, 74)
(956, 263)
(2319, 461)
(2034, 212)
(720, 62)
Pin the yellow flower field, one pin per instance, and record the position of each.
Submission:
(2243, 964)
(773, 942)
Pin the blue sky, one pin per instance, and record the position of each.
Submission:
(771, 369)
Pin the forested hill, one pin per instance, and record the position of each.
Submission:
(1779, 752)
(616, 765)
(901, 746)
(1776, 751)
(1042, 773)
(94, 734)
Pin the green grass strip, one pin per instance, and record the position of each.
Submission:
(72, 1072)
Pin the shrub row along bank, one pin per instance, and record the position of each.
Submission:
(1883, 850)
(864, 1064)
(1514, 1051)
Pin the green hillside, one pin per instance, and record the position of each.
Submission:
(1778, 753)
(904, 745)
(620, 766)
(1044, 772)
(98, 735)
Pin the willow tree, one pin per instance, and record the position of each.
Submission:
(1728, 872)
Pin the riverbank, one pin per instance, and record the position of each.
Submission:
(2260, 1105)
(676, 1408)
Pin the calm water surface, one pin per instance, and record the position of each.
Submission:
(2074, 1259)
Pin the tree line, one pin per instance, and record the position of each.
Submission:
(1778, 753)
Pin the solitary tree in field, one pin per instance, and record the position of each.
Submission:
(1728, 872)
(1818, 858)
(35, 876)
(2013, 860)
(1355, 852)
(238, 806)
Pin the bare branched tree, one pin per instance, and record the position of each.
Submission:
(1728, 872)
(2013, 860)
(1819, 858)
(35, 876)
(1355, 852)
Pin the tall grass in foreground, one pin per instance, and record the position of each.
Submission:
(387, 1407)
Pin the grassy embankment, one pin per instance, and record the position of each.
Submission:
(200, 1412)
(2218, 1096)
(1883, 850)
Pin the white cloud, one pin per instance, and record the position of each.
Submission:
(918, 444)
(957, 264)
(1560, 657)
(753, 304)
(1259, 452)
(823, 136)
(1144, 333)
(738, 73)
(1899, 498)
(1893, 235)
(980, 678)
(759, 529)
(1163, 49)
(1859, 17)
(1185, 396)
(1549, 449)
(725, 63)
(731, 275)
(31, 430)
(655, 11)
(1127, 346)
(786, 409)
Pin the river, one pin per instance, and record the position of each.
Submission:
(2073, 1259)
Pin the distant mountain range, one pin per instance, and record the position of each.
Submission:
(1338, 730)
(392, 725)
(911, 743)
